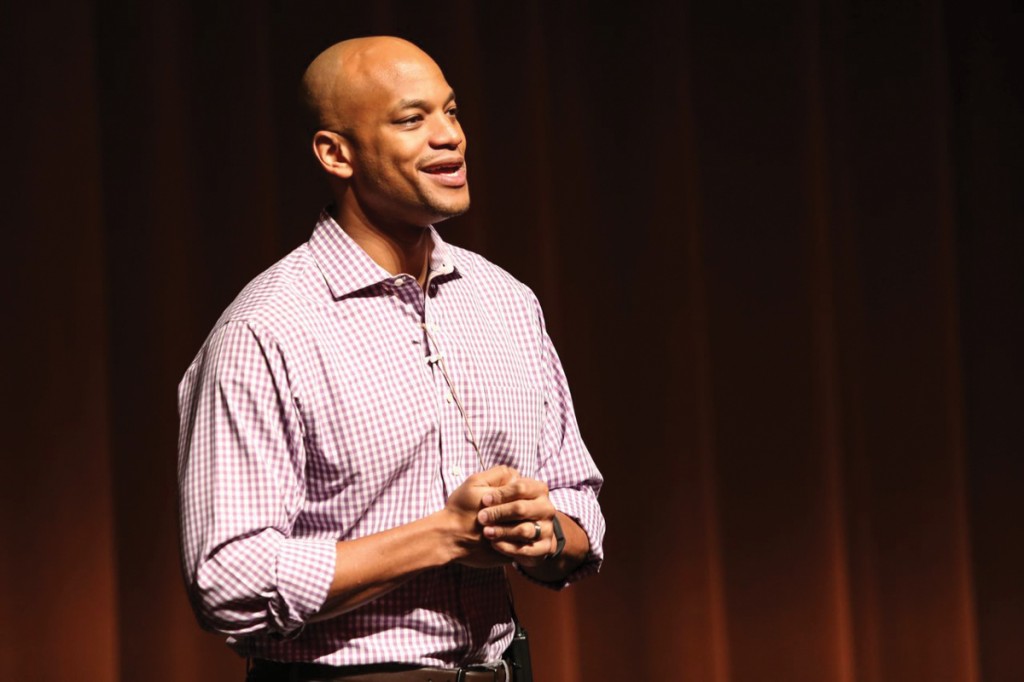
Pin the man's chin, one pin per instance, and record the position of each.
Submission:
(444, 212)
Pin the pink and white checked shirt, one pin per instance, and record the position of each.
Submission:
(313, 414)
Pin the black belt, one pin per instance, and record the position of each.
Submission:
(274, 671)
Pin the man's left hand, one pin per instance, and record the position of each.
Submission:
(517, 520)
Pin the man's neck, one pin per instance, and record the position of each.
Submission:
(397, 249)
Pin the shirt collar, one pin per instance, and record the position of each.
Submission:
(347, 268)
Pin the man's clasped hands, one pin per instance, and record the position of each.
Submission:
(503, 517)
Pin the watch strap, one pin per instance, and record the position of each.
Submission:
(556, 527)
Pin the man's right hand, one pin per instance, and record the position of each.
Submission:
(463, 506)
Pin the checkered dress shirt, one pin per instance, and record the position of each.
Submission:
(315, 412)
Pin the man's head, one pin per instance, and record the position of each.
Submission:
(386, 133)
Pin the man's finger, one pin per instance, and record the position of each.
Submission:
(517, 489)
(519, 552)
(521, 533)
(499, 476)
(517, 510)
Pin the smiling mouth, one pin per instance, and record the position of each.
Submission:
(450, 174)
(444, 168)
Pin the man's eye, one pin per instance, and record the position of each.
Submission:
(410, 120)
(454, 112)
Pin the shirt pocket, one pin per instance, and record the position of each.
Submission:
(511, 421)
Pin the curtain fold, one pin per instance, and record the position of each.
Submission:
(57, 563)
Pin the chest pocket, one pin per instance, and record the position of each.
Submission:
(510, 421)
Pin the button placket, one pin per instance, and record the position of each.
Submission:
(449, 461)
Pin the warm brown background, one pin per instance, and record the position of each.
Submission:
(780, 249)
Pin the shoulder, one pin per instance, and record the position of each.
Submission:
(287, 289)
(275, 306)
(492, 279)
(508, 303)
(280, 300)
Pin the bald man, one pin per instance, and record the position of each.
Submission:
(378, 425)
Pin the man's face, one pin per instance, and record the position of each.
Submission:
(408, 157)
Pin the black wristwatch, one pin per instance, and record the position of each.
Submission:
(556, 527)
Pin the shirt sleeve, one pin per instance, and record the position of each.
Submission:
(564, 462)
(241, 478)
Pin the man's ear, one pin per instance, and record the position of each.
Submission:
(334, 152)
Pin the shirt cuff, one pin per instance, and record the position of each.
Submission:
(305, 569)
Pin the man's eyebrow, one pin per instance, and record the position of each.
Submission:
(421, 104)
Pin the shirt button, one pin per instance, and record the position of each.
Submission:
(399, 281)
(449, 397)
(456, 470)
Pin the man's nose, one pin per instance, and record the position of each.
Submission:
(447, 133)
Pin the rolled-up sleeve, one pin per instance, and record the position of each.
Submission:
(565, 464)
(241, 465)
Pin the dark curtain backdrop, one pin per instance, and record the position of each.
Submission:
(779, 246)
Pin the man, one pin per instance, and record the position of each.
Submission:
(379, 423)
